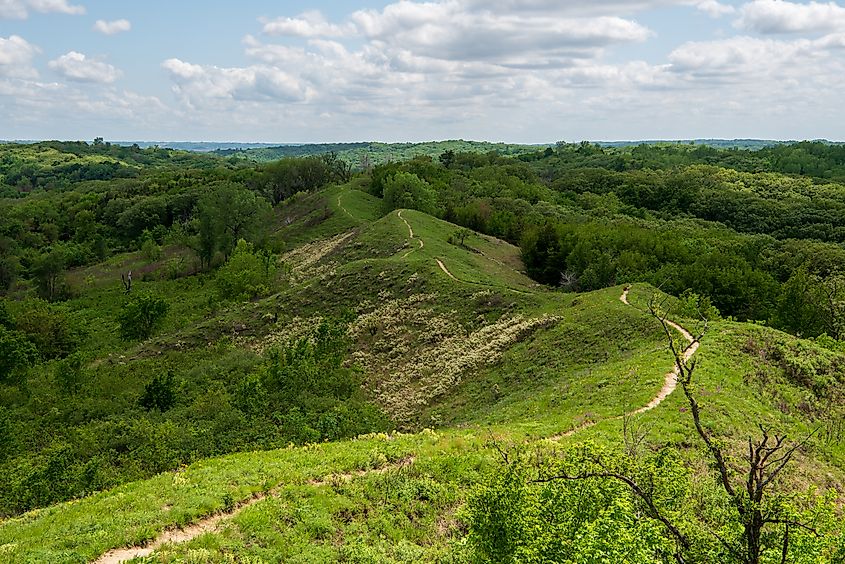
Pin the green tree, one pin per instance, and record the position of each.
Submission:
(408, 191)
(49, 270)
(227, 213)
(141, 317)
(248, 273)
(17, 354)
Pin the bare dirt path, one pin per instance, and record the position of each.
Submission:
(346, 211)
(212, 522)
(410, 234)
(670, 381)
(446, 270)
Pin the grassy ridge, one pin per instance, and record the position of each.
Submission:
(599, 359)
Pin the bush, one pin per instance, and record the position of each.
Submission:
(247, 274)
(150, 250)
(49, 328)
(17, 354)
(141, 317)
(160, 393)
(68, 373)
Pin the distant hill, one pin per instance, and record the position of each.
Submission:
(752, 144)
(362, 154)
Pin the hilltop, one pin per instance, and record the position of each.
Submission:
(368, 366)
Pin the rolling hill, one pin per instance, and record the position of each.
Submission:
(466, 356)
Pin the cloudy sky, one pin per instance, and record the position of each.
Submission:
(409, 70)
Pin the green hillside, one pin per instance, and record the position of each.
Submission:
(449, 337)
(369, 371)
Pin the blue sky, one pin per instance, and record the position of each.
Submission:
(409, 70)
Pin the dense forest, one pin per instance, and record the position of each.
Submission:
(758, 234)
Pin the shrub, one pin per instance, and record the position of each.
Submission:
(247, 274)
(49, 328)
(150, 250)
(141, 317)
(68, 373)
(160, 393)
(17, 354)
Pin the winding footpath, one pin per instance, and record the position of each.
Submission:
(212, 522)
(670, 381)
(446, 270)
(410, 235)
(346, 211)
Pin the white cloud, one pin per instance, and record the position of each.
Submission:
(308, 24)
(451, 31)
(76, 66)
(780, 16)
(203, 85)
(16, 55)
(715, 9)
(20, 9)
(112, 27)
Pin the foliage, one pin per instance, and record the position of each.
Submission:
(151, 250)
(160, 393)
(141, 316)
(575, 506)
(17, 354)
(49, 327)
(280, 180)
(407, 190)
(248, 273)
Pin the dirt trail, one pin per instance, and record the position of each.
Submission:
(346, 211)
(410, 234)
(211, 523)
(670, 382)
(446, 270)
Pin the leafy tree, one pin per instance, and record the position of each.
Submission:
(248, 273)
(459, 236)
(407, 190)
(208, 234)
(49, 271)
(8, 272)
(141, 317)
(17, 354)
(228, 213)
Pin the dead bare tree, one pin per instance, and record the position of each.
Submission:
(127, 282)
(756, 505)
(767, 457)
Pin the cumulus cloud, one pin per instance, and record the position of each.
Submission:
(16, 55)
(308, 24)
(112, 27)
(199, 85)
(715, 9)
(451, 31)
(780, 16)
(20, 9)
(76, 66)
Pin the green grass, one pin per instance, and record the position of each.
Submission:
(599, 360)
